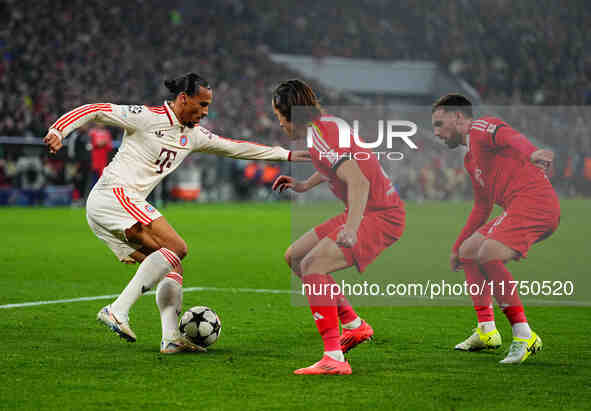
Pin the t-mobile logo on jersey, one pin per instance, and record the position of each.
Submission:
(392, 129)
(169, 157)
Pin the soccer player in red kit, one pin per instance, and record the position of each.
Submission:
(373, 220)
(507, 170)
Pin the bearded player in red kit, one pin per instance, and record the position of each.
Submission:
(373, 220)
(508, 170)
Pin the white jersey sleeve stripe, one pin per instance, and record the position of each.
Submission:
(83, 114)
(68, 118)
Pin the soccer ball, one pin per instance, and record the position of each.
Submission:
(201, 325)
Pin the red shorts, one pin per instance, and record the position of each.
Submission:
(378, 231)
(522, 224)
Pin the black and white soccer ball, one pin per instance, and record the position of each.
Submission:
(201, 325)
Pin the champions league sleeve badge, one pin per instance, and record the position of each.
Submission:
(135, 109)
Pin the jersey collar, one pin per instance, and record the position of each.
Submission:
(171, 116)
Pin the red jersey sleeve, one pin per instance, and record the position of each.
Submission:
(325, 140)
(493, 133)
(505, 136)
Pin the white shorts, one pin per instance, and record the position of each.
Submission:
(112, 211)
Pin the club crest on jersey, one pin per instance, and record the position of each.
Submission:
(183, 140)
(135, 109)
(149, 208)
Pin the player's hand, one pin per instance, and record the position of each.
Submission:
(542, 158)
(346, 238)
(282, 183)
(454, 262)
(53, 141)
(300, 155)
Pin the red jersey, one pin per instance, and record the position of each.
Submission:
(498, 162)
(327, 156)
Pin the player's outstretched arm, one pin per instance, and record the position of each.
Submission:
(300, 156)
(246, 150)
(357, 194)
(282, 183)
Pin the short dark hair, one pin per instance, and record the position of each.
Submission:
(292, 93)
(453, 102)
(189, 84)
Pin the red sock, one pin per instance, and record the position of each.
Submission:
(480, 292)
(318, 288)
(344, 309)
(505, 291)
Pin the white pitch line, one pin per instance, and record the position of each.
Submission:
(268, 291)
(185, 290)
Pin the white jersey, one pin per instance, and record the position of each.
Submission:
(155, 143)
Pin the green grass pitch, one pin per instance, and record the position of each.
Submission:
(58, 357)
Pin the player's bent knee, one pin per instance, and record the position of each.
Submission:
(183, 250)
(492, 250)
(307, 264)
(179, 248)
(470, 248)
(293, 261)
(288, 256)
(467, 251)
(313, 264)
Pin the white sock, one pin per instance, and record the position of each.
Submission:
(169, 298)
(148, 274)
(521, 330)
(487, 326)
(335, 355)
(356, 323)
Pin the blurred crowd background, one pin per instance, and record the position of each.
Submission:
(57, 55)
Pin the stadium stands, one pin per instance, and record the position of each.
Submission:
(61, 54)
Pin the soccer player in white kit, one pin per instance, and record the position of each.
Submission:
(155, 142)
